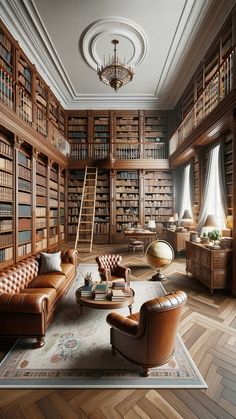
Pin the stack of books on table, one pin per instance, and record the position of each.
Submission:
(122, 286)
(86, 291)
(117, 295)
(100, 292)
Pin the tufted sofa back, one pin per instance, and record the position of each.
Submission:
(15, 279)
(109, 261)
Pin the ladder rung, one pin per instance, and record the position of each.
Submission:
(85, 222)
(84, 240)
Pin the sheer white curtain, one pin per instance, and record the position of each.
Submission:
(185, 203)
(212, 199)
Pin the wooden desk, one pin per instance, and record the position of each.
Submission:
(140, 234)
(211, 267)
(177, 239)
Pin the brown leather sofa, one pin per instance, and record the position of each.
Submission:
(110, 268)
(28, 300)
(148, 338)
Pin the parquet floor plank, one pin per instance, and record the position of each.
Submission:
(208, 328)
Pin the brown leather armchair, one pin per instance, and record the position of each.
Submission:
(148, 338)
(109, 268)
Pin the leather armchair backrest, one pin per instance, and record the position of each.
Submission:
(158, 323)
(15, 279)
(108, 261)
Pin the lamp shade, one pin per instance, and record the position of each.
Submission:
(210, 221)
(187, 215)
(151, 224)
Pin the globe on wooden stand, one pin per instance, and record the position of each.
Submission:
(159, 254)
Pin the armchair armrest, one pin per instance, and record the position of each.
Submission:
(69, 256)
(105, 274)
(23, 303)
(123, 272)
(123, 324)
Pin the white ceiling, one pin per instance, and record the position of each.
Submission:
(166, 32)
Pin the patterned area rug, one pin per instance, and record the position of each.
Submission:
(77, 352)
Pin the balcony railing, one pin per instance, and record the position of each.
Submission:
(219, 86)
(120, 151)
(30, 112)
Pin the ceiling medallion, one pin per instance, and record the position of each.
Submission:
(113, 73)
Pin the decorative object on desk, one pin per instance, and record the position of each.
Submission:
(159, 254)
(114, 73)
(193, 236)
(171, 221)
(186, 219)
(151, 225)
(88, 279)
(214, 236)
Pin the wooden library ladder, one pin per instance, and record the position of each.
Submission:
(87, 210)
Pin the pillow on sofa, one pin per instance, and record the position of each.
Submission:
(50, 262)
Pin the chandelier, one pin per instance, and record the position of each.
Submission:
(114, 73)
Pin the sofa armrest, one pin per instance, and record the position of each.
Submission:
(123, 324)
(69, 256)
(23, 303)
(123, 272)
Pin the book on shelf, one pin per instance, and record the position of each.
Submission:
(6, 254)
(6, 239)
(6, 194)
(5, 209)
(24, 210)
(6, 179)
(6, 149)
(6, 225)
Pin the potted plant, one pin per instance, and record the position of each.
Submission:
(214, 235)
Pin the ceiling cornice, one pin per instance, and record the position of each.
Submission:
(23, 21)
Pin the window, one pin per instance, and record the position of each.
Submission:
(186, 195)
(213, 196)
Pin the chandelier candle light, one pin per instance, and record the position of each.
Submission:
(114, 73)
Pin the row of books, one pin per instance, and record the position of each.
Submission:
(6, 239)
(41, 245)
(5, 194)
(53, 194)
(5, 209)
(53, 185)
(24, 198)
(24, 223)
(24, 210)
(53, 202)
(41, 180)
(24, 236)
(23, 159)
(24, 172)
(40, 168)
(41, 190)
(6, 254)
(6, 164)
(41, 234)
(5, 225)
(41, 222)
(53, 240)
(53, 175)
(5, 179)
(24, 184)
(41, 200)
(24, 249)
(40, 212)
(5, 54)
(53, 222)
(6, 149)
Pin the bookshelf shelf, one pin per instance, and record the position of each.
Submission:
(53, 206)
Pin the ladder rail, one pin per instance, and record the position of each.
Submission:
(80, 211)
(89, 177)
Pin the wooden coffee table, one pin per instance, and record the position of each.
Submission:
(104, 304)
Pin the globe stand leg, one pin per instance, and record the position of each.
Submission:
(158, 276)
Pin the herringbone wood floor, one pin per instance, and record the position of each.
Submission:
(208, 330)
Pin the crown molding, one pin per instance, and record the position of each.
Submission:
(146, 102)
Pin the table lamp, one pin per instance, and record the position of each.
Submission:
(210, 221)
(151, 225)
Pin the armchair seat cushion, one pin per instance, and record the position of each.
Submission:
(48, 281)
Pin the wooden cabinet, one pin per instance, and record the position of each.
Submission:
(177, 239)
(211, 267)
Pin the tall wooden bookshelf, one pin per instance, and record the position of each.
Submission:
(127, 136)
(25, 89)
(102, 211)
(62, 206)
(228, 160)
(155, 132)
(41, 108)
(41, 223)
(74, 190)
(78, 135)
(6, 202)
(158, 197)
(101, 136)
(127, 200)
(6, 70)
(24, 192)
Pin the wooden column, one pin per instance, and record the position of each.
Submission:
(112, 205)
